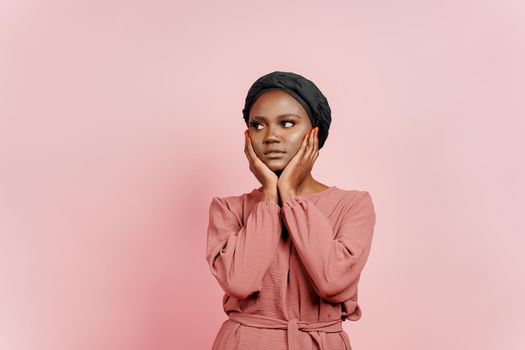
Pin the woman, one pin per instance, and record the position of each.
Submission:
(289, 254)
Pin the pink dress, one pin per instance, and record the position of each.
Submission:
(290, 274)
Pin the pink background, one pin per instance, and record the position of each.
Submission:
(121, 119)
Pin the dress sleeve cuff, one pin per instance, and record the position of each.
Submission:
(294, 202)
(269, 206)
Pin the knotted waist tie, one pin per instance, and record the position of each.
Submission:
(316, 330)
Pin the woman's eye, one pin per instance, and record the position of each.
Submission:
(254, 124)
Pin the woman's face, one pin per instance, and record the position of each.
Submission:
(277, 121)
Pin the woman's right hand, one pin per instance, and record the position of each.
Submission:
(261, 171)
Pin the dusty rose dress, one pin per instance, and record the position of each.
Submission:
(290, 274)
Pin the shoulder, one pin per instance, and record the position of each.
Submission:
(354, 198)
(353, 195)
(235, 203)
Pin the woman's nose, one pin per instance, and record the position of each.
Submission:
(271, 134)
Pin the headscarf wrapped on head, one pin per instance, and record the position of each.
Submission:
(303, 90)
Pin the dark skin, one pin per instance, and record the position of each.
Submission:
(285, 175)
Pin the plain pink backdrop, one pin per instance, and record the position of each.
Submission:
(120, 120)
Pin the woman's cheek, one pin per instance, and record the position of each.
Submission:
(298, 139)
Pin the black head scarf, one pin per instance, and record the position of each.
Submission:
(303, 90)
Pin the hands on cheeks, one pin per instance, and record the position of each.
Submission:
(299, 166)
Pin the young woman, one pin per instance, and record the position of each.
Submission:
(289, 254)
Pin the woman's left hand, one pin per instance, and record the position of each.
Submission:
(299, 166)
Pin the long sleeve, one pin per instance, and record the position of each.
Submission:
(333, 264)
(239, 255)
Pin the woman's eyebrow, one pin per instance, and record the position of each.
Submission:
(258, 117)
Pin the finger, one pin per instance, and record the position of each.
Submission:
(245, 142)
(311, 148)
(310, 142)
(303, 146)
(316, 146)
(251, 151)
(246, 146)
(316, 141)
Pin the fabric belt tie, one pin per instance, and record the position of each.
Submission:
(316, 330)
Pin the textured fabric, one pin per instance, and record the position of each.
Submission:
(290, 274)
(316, 330)
(303, 90)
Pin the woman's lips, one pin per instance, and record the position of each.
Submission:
(274, 154)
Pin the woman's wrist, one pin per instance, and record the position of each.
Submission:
(271, 194)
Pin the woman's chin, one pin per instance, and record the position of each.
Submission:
(276, 164)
